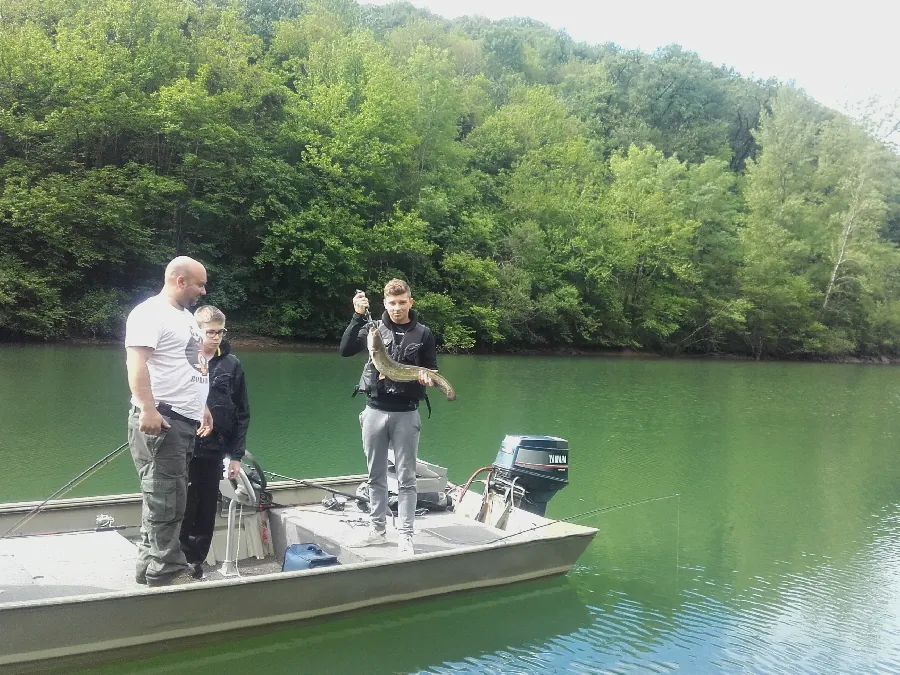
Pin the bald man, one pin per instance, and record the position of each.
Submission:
(169, 381)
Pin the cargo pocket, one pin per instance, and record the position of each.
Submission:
(160, 499)
(153, 442)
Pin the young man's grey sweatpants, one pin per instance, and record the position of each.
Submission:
(161, 462)
(399, 430)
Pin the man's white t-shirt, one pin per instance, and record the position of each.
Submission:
(178, 369)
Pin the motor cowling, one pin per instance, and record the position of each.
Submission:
(534, 468)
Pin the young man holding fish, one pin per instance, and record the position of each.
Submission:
(391, 416)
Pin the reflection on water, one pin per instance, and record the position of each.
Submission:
(786, 532)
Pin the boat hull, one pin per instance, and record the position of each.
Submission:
(111, 621)
(38, 631)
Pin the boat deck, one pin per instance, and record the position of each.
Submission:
(41, 567)
(434, 532)
(57, 565)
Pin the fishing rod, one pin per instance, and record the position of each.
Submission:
(99, 464)
(307, 483)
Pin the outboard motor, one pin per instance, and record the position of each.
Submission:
(533, 469)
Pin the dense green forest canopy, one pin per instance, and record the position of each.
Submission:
(535, 191)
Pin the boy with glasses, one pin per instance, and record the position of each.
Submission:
(231, 417)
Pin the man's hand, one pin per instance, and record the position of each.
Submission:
(206, 426)
(425, 378)
(234, 466)
(151, 422)
(360, 303)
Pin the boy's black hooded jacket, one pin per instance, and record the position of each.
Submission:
(229, 407)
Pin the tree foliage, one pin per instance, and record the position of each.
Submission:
(533, 190)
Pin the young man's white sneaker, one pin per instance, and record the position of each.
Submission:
(372, 538)
(405, 545)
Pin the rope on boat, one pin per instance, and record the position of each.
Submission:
(99, 464)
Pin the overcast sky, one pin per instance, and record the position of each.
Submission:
(838, 52)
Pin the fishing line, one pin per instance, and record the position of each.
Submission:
(677, 539)
(616, 507)
(570, 519)
(592, 512)
(99, 464)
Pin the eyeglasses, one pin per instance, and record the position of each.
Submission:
(211, 333)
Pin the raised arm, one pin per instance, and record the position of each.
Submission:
(353, 341)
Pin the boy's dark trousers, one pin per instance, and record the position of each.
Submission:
(204, 474)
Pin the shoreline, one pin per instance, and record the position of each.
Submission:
(260, 342)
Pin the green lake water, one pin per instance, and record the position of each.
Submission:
(780, 554)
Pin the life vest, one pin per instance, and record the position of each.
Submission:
(408, 352)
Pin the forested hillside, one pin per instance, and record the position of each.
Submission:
(535, 191)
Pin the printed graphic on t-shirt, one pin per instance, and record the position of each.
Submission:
(194, 354)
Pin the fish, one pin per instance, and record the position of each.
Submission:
(399, 372)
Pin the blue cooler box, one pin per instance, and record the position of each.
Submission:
(306, 556)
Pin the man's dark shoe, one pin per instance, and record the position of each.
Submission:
(197, 572)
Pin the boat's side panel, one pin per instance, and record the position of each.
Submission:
(80, 513)
(57, 629)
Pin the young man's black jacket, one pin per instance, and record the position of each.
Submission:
(229, 407)
(385, 394)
